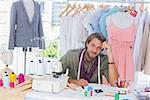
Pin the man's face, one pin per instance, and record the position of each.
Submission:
(93, 48)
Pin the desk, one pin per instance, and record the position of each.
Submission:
(69, 94)
(17, 93)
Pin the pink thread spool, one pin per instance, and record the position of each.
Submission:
(21, 78)
(1, 82)
(91, 92)
(12, 85)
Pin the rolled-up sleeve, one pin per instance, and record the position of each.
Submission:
(65, 60)
(71, 61)
(104, 67)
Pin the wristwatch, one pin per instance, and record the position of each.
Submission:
(111, 62)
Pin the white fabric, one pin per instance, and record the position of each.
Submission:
(6, 57)
(137, 18)
(64, 34)
(86, 22)
(72, 33)
(76, 32)
(138, 39)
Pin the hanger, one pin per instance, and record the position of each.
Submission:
(101, 5)
(92, 8)
(82, 9)
(88, 8)
(78, 10)
(66, 9)
(74, 8)
(145, 9)
(106, 6)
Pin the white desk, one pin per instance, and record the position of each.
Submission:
(68, 94)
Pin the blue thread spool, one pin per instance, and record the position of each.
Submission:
(6, 81)
(89, 88)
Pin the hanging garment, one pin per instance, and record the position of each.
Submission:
(65, 33)
(139, 34)
(121, 40)
(147, 60)
(144, 56)
(102, 20)
(72, 33)
(6, 56)
(90, 21)
(22, 32)
(137, 18)
(77, 41)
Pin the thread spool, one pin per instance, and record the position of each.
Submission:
(6, 71)
(1, 82)
(85, 93)
(21, 78)
(48, 67)
(13, 77)
(89, 88)
(91, 92)
(6, 81)
(12, 84)
(67, 72)
(116, 96)
(58, 67)
(40, 68)
(32, 67)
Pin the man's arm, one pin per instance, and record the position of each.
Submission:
(79, 82)
(113, 72)
(66, 63)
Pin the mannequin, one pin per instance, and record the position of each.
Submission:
(120, 19)
(26, 28)
(29, 5)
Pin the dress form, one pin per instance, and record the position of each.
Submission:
(29, 6)
(120, 19)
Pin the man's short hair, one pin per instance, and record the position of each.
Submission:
(98, 36)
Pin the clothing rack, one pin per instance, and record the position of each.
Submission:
(116, 1)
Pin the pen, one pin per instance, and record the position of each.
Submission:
(82, 87)
(121, 85)
(116, 84)
(124, 84)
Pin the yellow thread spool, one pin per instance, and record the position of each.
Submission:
(13, 77)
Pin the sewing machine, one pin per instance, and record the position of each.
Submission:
(50, 83)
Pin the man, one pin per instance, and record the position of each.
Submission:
(89, 64)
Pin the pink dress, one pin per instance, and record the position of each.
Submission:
(121, 40)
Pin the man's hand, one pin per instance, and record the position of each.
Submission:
(113, 72)
(107, 47)
(80, 82)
